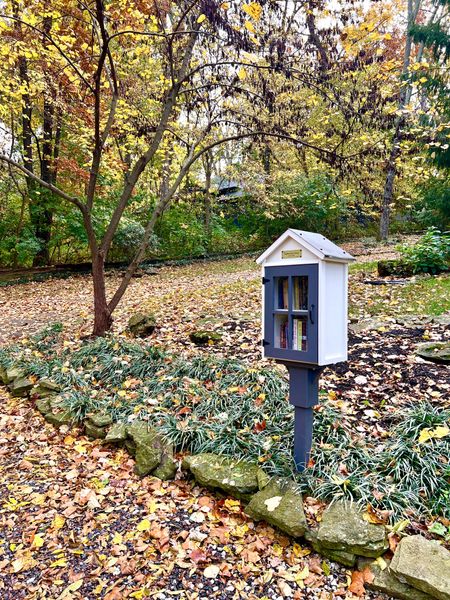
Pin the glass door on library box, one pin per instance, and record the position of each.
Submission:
(291, 316)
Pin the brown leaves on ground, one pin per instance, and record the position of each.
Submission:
(79, 524)
(359, 578)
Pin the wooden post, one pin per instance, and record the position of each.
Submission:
(303, 395)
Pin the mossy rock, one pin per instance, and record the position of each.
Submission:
(14, 373)
(147, 447)
(166, 469)
(20, 387)
(45, 387)
(281, 505)
(344, 528)
(117, 433)
(60, 417)
(3, 376)
(437, 352)
(93, 431)
(100, 419)
(395, 268)
(203, 337)
(43, 405)
(238, 478)
(142, 324)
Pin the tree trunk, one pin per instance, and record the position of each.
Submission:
(102, 315)
(388, 191)
(207, 208)
(404, 96)
(43, 213)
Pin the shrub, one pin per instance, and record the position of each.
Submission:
(431, 254)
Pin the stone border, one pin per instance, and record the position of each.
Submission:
(419, 569)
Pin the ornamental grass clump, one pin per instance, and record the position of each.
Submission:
(226, 407)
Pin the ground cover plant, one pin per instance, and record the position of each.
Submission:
(227, 407)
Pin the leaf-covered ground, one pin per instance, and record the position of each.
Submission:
(75, 522)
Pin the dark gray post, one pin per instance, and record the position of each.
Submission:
(303, 394)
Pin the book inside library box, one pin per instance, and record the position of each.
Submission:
(291, 313)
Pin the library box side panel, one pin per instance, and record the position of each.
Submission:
(333, 311)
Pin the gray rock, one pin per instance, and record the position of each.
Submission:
(347, 559)
(20, 387)
(443, 319)
(280, 505)
(424, 564)
(386, 582)
(367, 325)
(100, 419)
(117, 433)
(147, 447)
(236, 477)
(437, 352)
(45, 388)
(142, 324)
(344, 528)
(203, 337)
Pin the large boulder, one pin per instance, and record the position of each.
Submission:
(424, 564)
(437, 352)
(146, 445)
(238, 478)
(204, 336)
(385, 581)
(281, 505)
(344, 528)
(142, 324)
(20, 387)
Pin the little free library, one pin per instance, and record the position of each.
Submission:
(304, 291)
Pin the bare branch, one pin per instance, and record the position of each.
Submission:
(49, 186)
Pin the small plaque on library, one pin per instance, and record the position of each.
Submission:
(291, 253)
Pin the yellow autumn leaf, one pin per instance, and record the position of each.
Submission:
(38, 541)
(201, 18)
(225, 5)
(440, 432)
(242, 74)
(58, 522)
(303, 574)
(144, 525)
(253, 9)
(61, 562)
(117, 539)
(437, 433)
(73, 587)
(249, 26)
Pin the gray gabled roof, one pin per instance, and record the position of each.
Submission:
(317, 243)
(323, 245)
